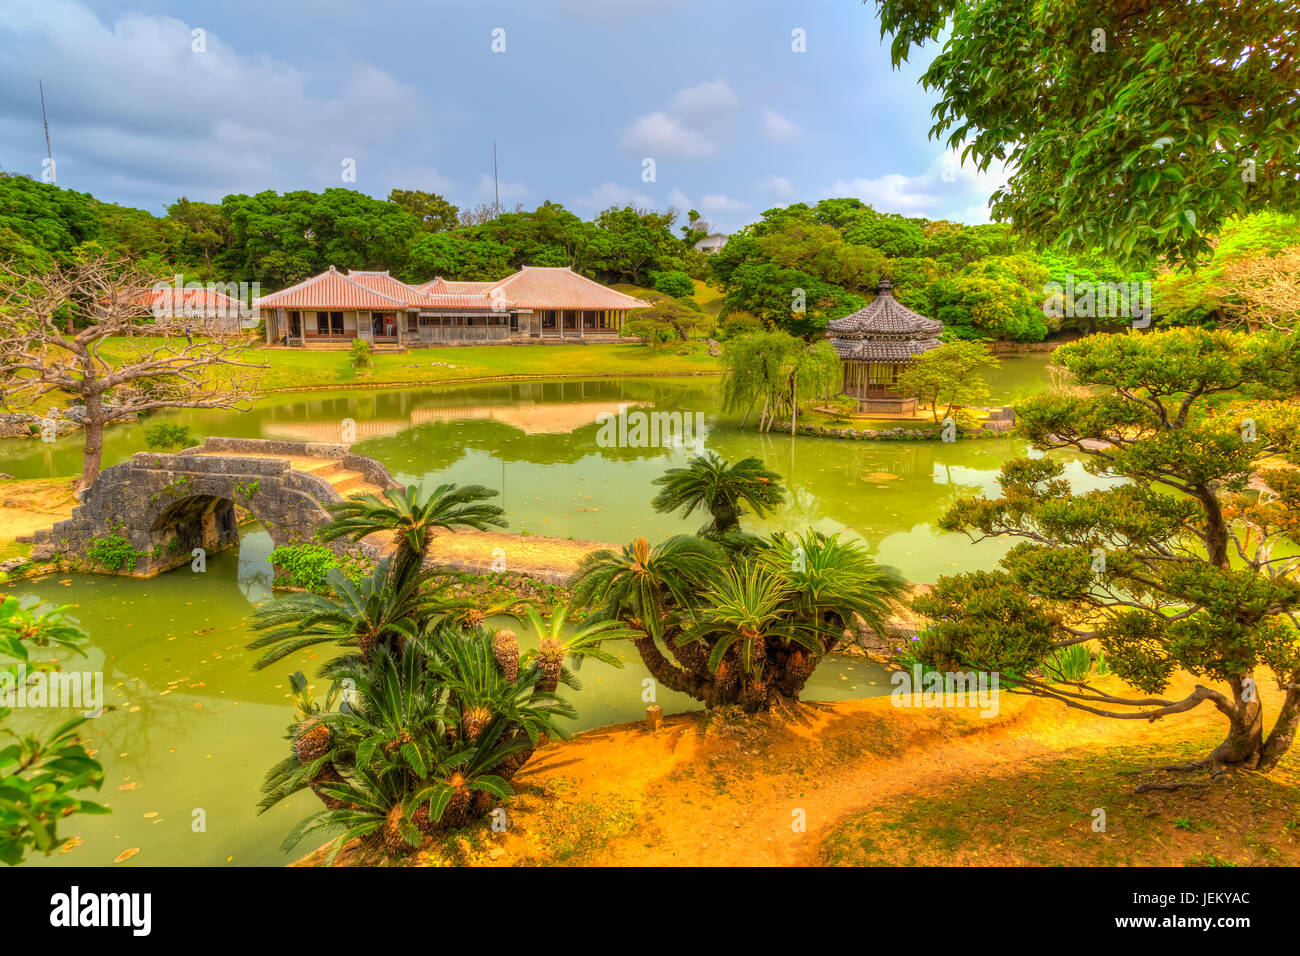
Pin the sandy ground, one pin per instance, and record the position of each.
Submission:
(729, 792)
(552, 560)
(27, 506)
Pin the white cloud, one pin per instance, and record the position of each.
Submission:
(892, 192)
(611, 194)
(660, 135)
(947, 190)
(510, 192)
(133, 102)
(676, 133)
(718, 203)
(777, 127)
(704, 100)
(778, 186)
(679, 199)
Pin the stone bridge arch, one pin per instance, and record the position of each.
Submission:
(164, 506)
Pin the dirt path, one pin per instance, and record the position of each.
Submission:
(729, 793)
(28, 505)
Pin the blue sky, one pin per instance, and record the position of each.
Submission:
(282, 95)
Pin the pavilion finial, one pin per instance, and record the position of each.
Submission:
(885, 288)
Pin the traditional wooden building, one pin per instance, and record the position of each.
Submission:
(875, 344)
(537, 304)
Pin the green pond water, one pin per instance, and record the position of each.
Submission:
(194, 728)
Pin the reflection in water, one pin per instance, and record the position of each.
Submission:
(194, 728)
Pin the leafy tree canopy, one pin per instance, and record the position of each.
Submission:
(1138, 127)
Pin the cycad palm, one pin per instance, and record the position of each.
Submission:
(553, 646)
(381, 610)
(743, 609)
(640, 584)
(413, 517)
(830, 580)
(721, 488)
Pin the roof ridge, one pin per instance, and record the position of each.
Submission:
(299, 285)
(366, 288)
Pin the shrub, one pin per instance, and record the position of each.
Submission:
(1072, 663)
(739, 323)
(39, 777)
(676, 284)
(167, 437)
(360, 356)
(306, 566)
(114, 553)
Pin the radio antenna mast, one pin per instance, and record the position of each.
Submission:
(45, 120)
(496, 181)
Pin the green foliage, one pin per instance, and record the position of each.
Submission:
(1201, 579)
(307, 566)
(676, 284)
(1206, 296)
(949, 375)
(895, 236)
(744, 619)
(413, 516)
(1072, 663)
(779, 369)
(168, 437)
(432, 211)
(723, 489)
(114, 553)
(434, 716)
(360, 355)
(39, 777)
(666, 320)
(1128, 127)
(987, 301)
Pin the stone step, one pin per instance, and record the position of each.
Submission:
(346, 480)
(320, 467)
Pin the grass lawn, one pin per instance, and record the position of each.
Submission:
(304, 368)
(708, 298)
(1042, 815)
(301, 368)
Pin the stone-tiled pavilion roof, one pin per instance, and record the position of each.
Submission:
(884, 331)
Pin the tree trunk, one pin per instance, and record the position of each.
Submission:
(667, 673)
(1284, 730)
(94, 441)
(1245, 740)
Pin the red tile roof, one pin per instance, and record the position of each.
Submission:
(553, 287)
(191, 302)
(534, 287)
(330, 290)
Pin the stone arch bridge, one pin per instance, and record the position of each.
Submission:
(165, 506)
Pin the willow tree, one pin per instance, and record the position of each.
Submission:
(114, 359)
(1185, 562)
(779, 369)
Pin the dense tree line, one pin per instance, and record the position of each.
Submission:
(278, 239)
(793, 269)
(829, 258)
